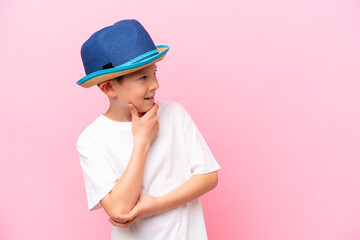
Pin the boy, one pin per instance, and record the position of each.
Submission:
(145, 163)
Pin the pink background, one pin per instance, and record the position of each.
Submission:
(272, 85)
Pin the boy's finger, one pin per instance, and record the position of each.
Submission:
(153, 109)
(118, 220)
(125, 217)
(134, 111)
(123, 225)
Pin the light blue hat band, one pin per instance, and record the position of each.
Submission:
(141, 58)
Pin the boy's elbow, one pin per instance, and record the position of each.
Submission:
(114, 208)
(114, 212)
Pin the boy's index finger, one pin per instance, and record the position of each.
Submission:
(133, 110)
(152, 110)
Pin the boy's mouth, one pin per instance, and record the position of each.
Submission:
(151, 99)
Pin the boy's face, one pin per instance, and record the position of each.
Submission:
(138, 88)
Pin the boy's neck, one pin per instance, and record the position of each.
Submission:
(118, 114)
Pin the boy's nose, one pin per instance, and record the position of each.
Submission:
(155, 84)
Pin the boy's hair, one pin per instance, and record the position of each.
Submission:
(118, 79)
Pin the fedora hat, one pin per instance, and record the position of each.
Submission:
(116, 50)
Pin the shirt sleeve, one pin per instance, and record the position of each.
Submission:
(201, 159)
(99, 176)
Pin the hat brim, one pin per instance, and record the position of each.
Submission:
(107, 74)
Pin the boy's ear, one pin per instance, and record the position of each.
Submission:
(107, 88)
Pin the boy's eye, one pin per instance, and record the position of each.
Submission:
(145, 77)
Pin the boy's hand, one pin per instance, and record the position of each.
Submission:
(146, 127)
(146, 206)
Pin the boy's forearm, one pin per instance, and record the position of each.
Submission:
(126, 191)
(147, 205)
(193, 188)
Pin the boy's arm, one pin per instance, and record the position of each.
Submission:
(122, 198)
(196, 186)
(193, 188)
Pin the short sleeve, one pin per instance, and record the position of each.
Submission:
(99, 176)
(200, 157)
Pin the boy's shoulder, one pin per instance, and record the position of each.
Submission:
(171, 106)
(91, 130)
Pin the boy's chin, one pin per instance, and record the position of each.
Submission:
(145, 107)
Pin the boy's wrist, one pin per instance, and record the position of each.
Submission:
(159, 205)
(140, 143)
(149, 207)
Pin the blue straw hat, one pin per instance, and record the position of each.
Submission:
(116, 50)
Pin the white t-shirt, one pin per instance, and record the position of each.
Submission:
(178, 151)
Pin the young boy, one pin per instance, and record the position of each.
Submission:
(145, 163)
